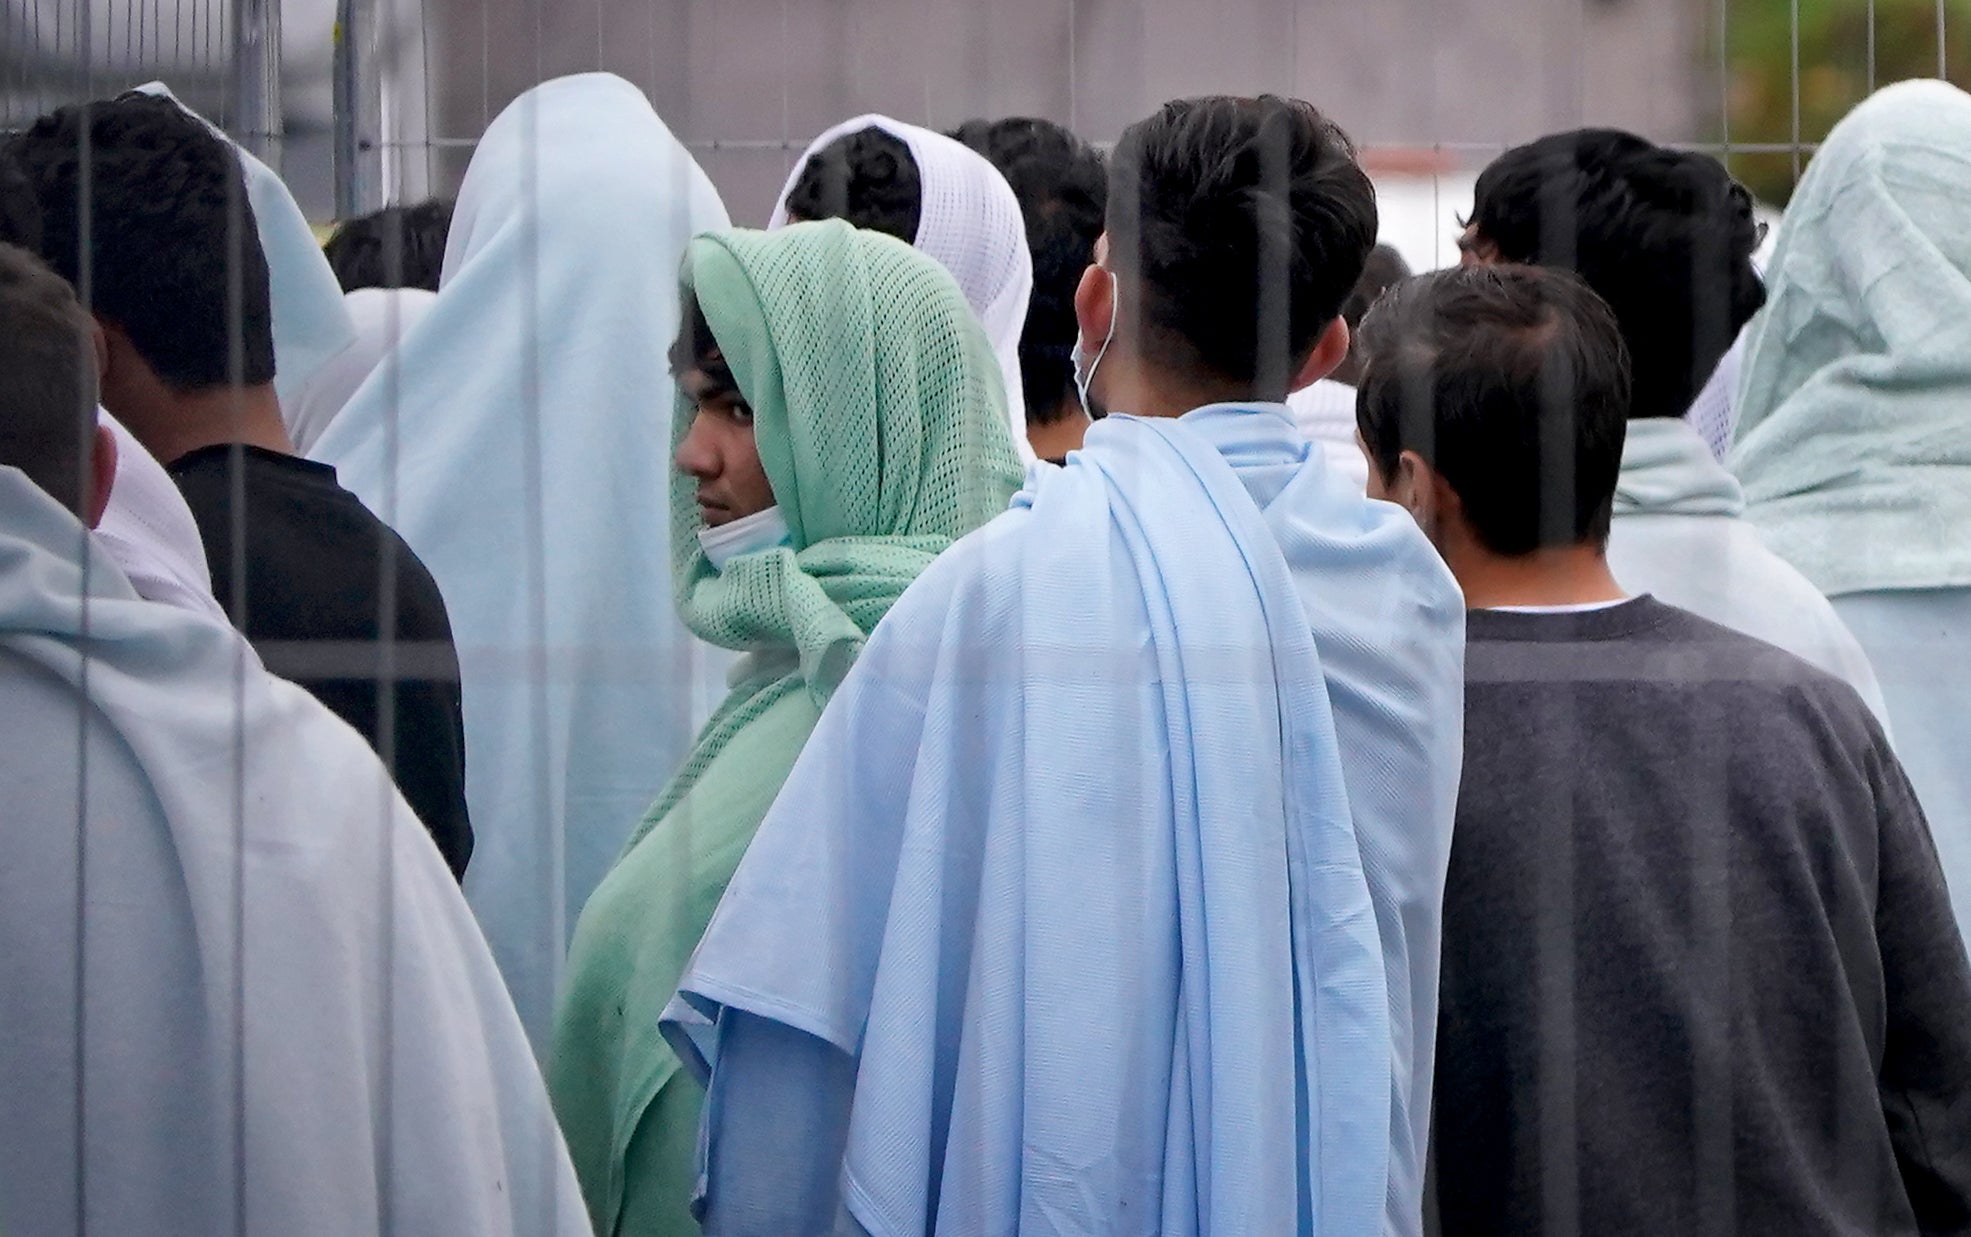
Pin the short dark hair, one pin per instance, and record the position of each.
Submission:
(20, 210)
(1063, 189)
(1513, 383)
(868, 178)
(47, 377)
(697, 348)
(1246, 222)
(1666, 237)
(396, 247)
(174, 257)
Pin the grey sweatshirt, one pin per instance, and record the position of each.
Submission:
(1700, 973)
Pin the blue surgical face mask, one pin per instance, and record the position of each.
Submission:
(1081, 379)
(749, 534)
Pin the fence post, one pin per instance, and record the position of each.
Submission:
(257, 122)
(358, 110)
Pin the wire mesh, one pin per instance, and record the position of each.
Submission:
(363, 102)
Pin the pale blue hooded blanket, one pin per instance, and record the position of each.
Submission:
(1854, 437)
(1062, 923)
(522, 445)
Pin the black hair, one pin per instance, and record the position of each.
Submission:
(172, 251)
(396, 247)
(1063, 190)
(1666, 237)
(866, 177)
(1245, 223)
(47, 377)
(20, 210)
(696, 348)
(1384, 270)
(1513, 383)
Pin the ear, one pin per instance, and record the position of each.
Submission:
(102, 476)
(1329, 352)
(100, 342)
(1094, 306)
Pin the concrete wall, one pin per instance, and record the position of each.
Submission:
(748, 81)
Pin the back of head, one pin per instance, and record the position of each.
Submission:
(1512, 383)
(158, 237)
(1666, 237)
(866, 177)
(1383, 271)
(47, 378)
(1063, 191)
(396, 247)
(1244, 224)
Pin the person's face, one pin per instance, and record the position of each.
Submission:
(719, 450)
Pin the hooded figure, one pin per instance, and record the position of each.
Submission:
(228, 940)
(969, 221)
(520, 444)
(1854, 431)
(876, 419)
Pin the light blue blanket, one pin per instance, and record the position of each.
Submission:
(1061, 922)
(1854, 433)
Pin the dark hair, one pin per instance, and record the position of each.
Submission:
(1063, 190)
(396, 247)
(47, 377)
(1246, 223)
(696, 348)
(1384, 270)
(174, 257)
(1513, 383)
(1666, 237)
(20, 211)
(866, 177)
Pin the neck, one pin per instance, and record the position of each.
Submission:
(1052, 440)
(1144, 391)
(187, 421)
(1560, 576)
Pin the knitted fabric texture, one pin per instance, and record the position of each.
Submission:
(969, 222)
(1854, 432)
(878, 424)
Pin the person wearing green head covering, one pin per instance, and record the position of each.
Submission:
(841, 422)
(1854, 434)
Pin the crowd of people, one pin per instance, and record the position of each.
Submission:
(1044, 692)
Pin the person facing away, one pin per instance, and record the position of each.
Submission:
(177, 281)
(1699, 969)
(242, 993)
(1063, 191)
(941, 197)
(1666, 238)
(146, 529)
(1104, 895)
(396, 247)
(1854, 439)
(1325, 411)
(837, 429)
(520, 438)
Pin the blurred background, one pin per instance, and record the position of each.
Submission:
(360, 102)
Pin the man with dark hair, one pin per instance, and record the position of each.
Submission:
(1063, 192)
(242, 992)
(1131, 821)
(396, 247)
(1700, 972)
(159, 239)
(1666, 237)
